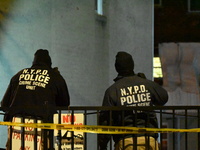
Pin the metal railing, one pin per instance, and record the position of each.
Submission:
(170, 117)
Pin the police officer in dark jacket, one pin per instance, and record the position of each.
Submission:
(131, 90)
(36, 91)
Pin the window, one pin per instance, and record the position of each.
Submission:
(99, 7)
(194, 5)
(99, 11)
(157, 70)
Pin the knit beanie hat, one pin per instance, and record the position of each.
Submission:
(124, 64)
(42, 57)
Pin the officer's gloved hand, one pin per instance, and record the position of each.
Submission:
(142, 75)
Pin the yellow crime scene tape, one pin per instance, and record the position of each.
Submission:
(98, 129)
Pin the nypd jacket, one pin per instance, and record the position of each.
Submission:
(35, 91)
(131, 91)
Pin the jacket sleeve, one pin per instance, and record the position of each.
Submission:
(62, 96)
(160, 95)
(103, 139)
(6, 101)
(109, 98)
(7, 98)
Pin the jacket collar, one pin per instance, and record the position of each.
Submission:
(120, 76)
